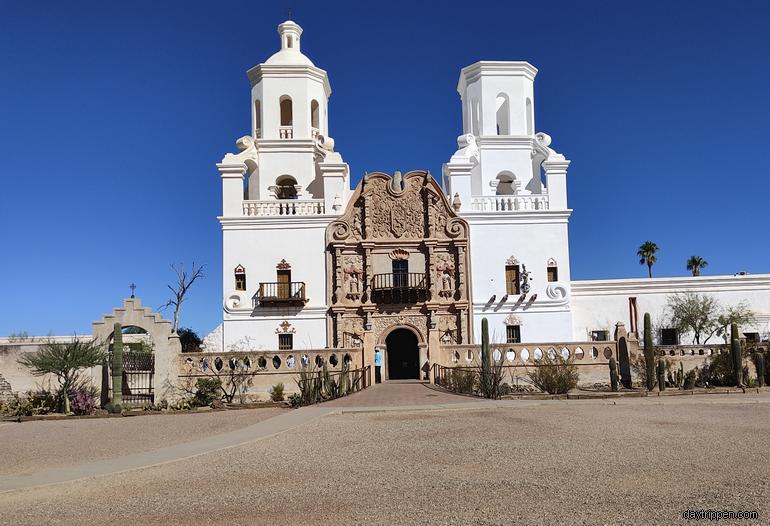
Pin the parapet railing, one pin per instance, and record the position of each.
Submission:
(509, 203)
(286, 207)
(528, 354)
(266, 361)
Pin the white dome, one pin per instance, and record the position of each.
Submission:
(289, 57)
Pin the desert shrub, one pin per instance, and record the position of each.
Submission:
(183, 404)
(554, 374)
(44, 401)
(84, 400)
(295, 399)
(639, 368)
(276, 392)
(463, 380)
(206, 391)
(718, 372)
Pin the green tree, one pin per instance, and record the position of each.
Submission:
(695, 264)
(646, 253)
(189, 339)
(740, 315)
(694, 312)
(65, 361)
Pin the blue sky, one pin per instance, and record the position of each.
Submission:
(112, 116)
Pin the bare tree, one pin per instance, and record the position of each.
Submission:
(183, 283)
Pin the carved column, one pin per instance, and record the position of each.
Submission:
(463, 336)
(431, 271)
(461, 271)
(338, 294)
(368, 271)
(339, 330)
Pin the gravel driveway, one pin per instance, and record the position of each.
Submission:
(631, 461)
(37, 445)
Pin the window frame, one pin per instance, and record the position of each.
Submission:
(513, 334)
(285, 341)
(513, 286)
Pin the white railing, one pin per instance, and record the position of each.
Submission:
(286, 132)
(509, 203)
(287, 207)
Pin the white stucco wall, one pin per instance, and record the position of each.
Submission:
(532, 239)
(259, 244)
(599, 304)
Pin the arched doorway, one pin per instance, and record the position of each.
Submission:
(403, 355)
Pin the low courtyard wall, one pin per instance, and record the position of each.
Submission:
(263, 369)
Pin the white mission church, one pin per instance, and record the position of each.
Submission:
(403, 262)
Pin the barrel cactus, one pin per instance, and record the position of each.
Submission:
(486, 381)
(613, 374)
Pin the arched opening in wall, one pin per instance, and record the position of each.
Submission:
(530, 117)
(240, 278)
(503, 114)
(403, 355)
(257, 119)
(251, 181)
(289, 41)
(287, 118)
(474, 116)
(506, 183)
(315, 117)
(286, 187)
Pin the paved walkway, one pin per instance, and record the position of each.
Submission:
(400, 393)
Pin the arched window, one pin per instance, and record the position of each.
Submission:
(314, 115)
(506, 183)
(287, 118)
(257, 119)
(503, 119)
(286, 187)
(240, 278)
(530, 127)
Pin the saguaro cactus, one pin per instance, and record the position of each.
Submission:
(649, 352)
(613, 374)
(759, 361)
(485, 382)
(661, 374)
(117, 368)
(735, 353)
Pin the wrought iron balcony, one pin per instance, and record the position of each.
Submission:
(275, 294)
(399, 287)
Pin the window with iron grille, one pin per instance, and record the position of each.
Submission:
(240, 279)
(285, 342)
(513, 334)
(600, 336)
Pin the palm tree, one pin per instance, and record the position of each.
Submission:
(646, 255)
(696, 264)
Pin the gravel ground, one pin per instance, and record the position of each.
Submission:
(37, 445)
(631, 461)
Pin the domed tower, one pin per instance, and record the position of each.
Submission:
(289, 106)
(279, 193)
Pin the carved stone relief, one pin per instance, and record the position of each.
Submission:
(445, 270)
(353, 270)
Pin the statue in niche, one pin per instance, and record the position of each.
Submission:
(353, 270)
(445, 266)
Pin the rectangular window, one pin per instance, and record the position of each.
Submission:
(285, 342)
(240, 281)
(400, 273)
(669, 337)
(632, 314)
(553, 274)
(600, 336)
(752, 337)
(512, 285)
(513, 334)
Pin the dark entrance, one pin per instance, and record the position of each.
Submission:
(403, 355)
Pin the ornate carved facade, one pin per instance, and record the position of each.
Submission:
(399, 257)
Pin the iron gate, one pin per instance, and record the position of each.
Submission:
(138, 376)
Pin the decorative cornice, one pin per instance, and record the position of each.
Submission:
(472, 73)
(670, 285)
(262, 71)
